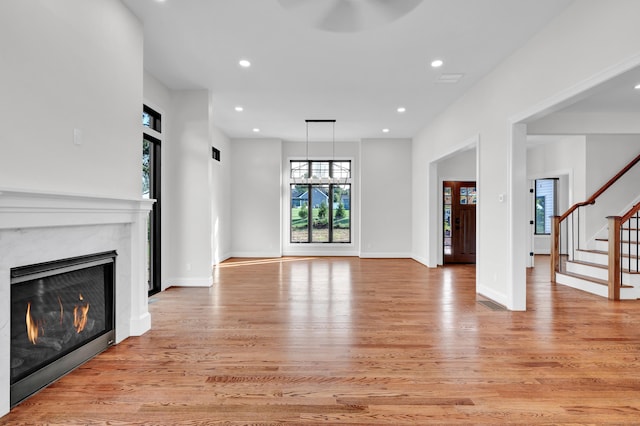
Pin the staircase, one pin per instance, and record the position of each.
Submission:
(608, 263)
(589, 270)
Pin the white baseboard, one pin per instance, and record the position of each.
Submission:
(491, 294)
(321, 253)
(423, 261)
(382, 255)
(139, 326)
(190, 282)
(255, 254)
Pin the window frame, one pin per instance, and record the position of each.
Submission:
(546, 224)
(309, 189)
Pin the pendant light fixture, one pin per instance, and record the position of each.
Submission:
(302, 175)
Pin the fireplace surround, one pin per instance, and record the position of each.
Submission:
(39, 227)
(61, 316)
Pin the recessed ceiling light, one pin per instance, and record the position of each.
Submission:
(385, 130)
(401, 109)
(244, 63)
(239, 108)
(637, 86)
(437, 63)
(256, 130)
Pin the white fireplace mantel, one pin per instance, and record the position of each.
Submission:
(38, 227)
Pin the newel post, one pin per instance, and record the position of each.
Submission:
(614, 257)
(555, 246)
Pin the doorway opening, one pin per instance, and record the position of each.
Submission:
(459, 221)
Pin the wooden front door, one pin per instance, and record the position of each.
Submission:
(459, 201)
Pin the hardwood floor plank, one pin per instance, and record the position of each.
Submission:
(319, 341)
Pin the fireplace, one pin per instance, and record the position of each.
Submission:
(37, 228)
(62, 314)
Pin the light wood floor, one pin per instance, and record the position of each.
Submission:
(359, 341)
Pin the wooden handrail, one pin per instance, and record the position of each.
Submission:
(635, 209)
(592, 199)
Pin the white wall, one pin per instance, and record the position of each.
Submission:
(606, 155)
(186, 199)
(177, 155)
(220, 193)
(256, 187)
(321, 150)
(589, 42)
(70, 65)
(562, 157)
(385, 188)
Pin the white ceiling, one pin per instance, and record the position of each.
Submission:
(335, 61)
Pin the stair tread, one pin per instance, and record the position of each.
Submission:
(606, 240)
(601, 252)
(585, 277)
(591, 279)
(601, 266)
(582, 262)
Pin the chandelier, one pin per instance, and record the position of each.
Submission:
(335, 174)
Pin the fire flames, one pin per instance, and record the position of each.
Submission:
(80, 316)
(32, 326)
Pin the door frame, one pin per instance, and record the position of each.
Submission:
(435, 202)
(465, 182)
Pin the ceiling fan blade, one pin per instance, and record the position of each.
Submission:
(393, 9)
(343, 17)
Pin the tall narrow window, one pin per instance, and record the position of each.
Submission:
(320, 202)
(151, 122)
(545, 205)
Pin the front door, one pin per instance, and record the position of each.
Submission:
(459, 201)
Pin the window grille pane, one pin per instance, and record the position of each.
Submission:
(299, 169)
(320, 215)
(341, 169)
(299, 213)
(320, 169)
(341, 231)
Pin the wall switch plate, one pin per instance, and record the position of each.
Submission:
(77, 137)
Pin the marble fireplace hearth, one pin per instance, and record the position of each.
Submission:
(38, 227)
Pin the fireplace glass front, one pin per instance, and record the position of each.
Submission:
(62, 314)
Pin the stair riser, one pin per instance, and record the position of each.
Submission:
(589, 271)
(597, 289)
(626, 248)
(603, 259)
(601, 274)
(583, 285)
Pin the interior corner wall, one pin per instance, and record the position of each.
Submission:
(599, 36)
(70, 65)
(256, 187)
(186, 200)
(220, 195)
(385, 191)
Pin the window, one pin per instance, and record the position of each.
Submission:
(151, 119)
(320, 202)
(151, 149)
(545, 205)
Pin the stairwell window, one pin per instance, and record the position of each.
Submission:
(320, 202)
(545, 205)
